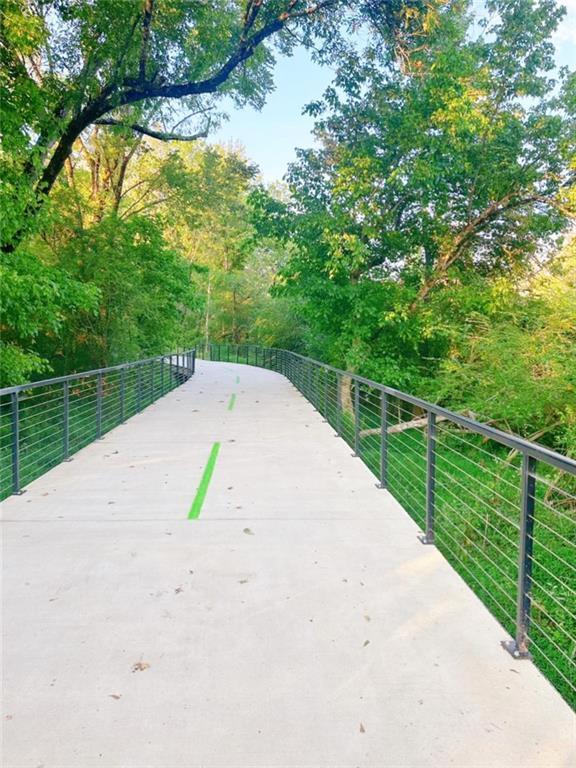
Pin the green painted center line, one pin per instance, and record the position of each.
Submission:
(196, 507)
(237, 379)
(232, 401)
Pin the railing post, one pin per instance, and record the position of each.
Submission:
(193, 361)
(15, 443)
(383, 440)
(519, 646)
(139, 391)
(338, 405)
(163, 361)
(429, 536)
(99, 406)
(326, 394)
(356, 418)
(122, 393)
(66, 420)
(151, 381)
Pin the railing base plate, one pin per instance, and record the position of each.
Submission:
(423, 539)
(511, 647)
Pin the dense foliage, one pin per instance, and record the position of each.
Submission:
(82, 82)
(443, 183)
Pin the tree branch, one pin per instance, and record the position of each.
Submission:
(139, 91)
(132, 90)
(130, 212)
(160, 135)
(496, 208)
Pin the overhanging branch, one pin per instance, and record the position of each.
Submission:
(160, 135)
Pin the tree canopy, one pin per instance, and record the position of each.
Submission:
(440, 177)
(69, 65)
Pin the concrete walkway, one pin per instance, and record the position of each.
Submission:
(297, 622)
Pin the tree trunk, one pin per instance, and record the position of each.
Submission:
(345, 395)
(207, 317)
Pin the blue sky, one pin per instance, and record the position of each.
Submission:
(271, 135)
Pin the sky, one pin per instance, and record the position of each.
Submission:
(271, 135)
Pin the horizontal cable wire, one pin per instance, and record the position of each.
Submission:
(478, 480)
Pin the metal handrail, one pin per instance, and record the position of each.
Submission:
(86, 374)
(44, 422)
(416, 470)
(539, 452)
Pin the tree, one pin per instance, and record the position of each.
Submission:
(144, 293)
(435, 174)
(515, 363)
(69, 65)
(36, 300)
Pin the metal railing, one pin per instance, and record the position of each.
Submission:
(45, 422)
(501, 509)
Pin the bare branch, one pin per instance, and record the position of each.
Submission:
(160, 135)
(130, 212)
(201, 111)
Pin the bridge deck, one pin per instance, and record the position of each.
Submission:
(297, 622)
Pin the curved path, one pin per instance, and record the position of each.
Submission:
(297, 622)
